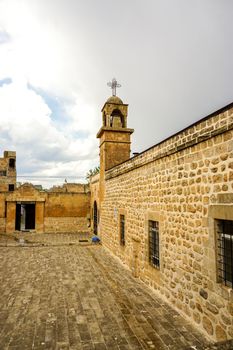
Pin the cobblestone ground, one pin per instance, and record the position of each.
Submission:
(72, 295)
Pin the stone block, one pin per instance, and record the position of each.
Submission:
(208, 326)
(203, 293)
(212, 308)
(220, 333)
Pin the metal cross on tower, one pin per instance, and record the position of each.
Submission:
(113, 85)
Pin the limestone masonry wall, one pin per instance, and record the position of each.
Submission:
(67, 212)
(184, 183)
(65, 224)
(67, 205)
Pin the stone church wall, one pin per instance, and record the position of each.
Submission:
(184, 183)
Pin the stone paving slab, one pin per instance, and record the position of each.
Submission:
(44, 239)
(79, 297)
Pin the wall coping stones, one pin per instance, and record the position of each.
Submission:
(189, 137)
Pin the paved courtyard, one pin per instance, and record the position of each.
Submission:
(59, 293)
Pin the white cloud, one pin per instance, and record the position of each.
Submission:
(32, 50)
(37, 54)
(172, 72)
(26, 122)
(83, 116)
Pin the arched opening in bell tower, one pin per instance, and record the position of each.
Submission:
(117, 119)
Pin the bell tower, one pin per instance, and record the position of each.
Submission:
(114, 135)
(114, 139)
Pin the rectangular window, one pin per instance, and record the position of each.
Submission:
(122, 229)
(225, 252)
(11, 188)
(12, 163)
(2, 172)
(154, 243)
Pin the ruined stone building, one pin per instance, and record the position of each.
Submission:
(166, 213)
(8, 172)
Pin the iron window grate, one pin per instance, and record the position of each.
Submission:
(154, 243)
(122, 229)
(95, 218)
(225, 252)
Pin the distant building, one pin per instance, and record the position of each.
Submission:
(30, 208)
(8, 172)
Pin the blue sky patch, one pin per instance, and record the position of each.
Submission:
(59, 115)
(5, 81)
(4, 37)
(81, 134)
(55, 104)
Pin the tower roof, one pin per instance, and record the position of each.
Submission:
(115, 100)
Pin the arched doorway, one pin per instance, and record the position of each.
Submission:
(95, 218)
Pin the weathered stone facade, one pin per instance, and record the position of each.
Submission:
(185, 184)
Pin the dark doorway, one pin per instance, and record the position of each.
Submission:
(25, 216)
(95, 218)
(18, 217)
(30, 217)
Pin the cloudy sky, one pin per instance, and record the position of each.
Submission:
(173, 58)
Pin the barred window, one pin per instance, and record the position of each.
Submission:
(154, 243)
(122, 229)
(225, 252)
(2, 172)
